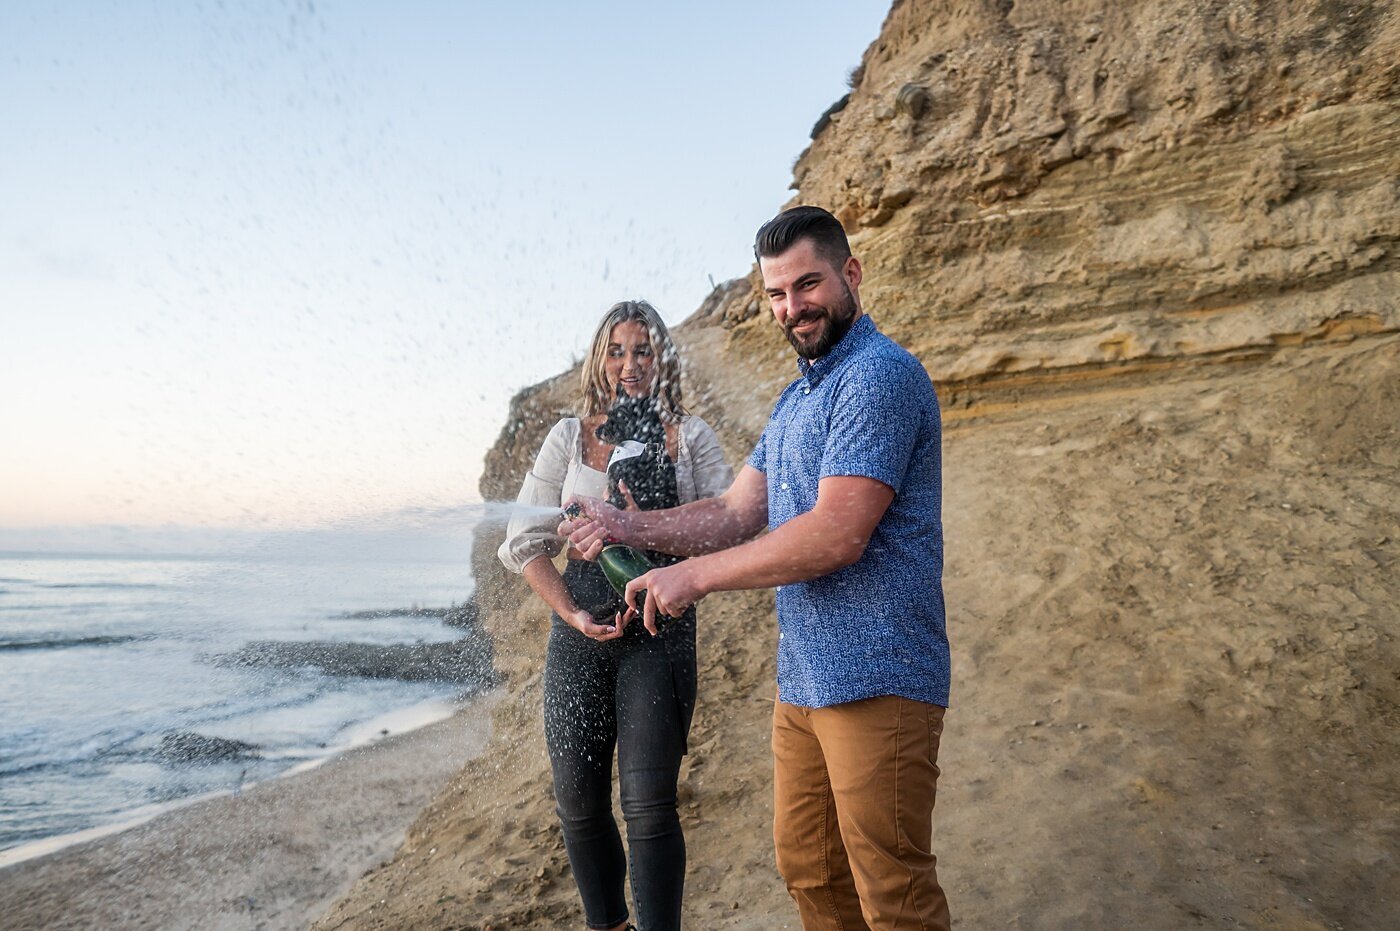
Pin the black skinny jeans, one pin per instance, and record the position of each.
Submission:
(635, 693)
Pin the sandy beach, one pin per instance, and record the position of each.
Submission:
(274, 856)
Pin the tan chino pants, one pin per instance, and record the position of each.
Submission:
(854, 788)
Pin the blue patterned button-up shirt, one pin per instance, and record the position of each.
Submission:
(876, 627)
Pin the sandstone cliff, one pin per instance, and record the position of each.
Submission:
(1150, 254)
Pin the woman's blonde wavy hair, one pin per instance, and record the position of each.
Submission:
(666, 389)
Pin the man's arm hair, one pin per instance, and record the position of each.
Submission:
(831, 536)
(707, 525)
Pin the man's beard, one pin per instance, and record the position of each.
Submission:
(837, 321)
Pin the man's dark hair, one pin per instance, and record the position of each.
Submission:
(782, 232)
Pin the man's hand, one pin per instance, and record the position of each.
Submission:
(598, 523)
(669, 591)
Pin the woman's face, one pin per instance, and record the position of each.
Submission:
(629, 362)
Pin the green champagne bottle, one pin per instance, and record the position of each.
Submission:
(621, 564)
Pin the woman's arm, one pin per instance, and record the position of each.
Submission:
(708, 467)
(531, 543)
(530, 531)
(546, 582)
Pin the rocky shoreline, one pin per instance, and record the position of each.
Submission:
(466, 661)
(274, 855)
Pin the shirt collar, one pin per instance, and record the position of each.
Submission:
(859, 333)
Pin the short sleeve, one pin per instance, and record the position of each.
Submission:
(530, 534)
(712, 473)
(758, 459)
(876, 416)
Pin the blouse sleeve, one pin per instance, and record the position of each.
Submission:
(713, 476)
(530, 535)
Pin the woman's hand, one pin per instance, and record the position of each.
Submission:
(583, 622)
(598, 523)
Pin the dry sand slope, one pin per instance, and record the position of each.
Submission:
(1150, 253)
(1175, 698)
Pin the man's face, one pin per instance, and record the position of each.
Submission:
(814, 302)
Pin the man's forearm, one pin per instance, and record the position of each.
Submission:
(803, 548)
(831, 536)
(694, 529)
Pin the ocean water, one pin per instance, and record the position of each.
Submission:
(104, 659)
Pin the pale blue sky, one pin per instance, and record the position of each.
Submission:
(273, 264)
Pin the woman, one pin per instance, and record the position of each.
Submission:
(607, 685)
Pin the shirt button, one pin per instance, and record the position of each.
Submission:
(783, 486)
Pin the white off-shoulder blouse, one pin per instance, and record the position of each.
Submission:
(560, 473)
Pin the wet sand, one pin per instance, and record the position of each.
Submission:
(274, 856)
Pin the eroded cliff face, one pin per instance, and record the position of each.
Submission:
(1051, 196)
(1148, 253)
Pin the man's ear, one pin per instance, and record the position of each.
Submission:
(852, 272)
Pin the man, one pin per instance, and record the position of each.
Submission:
(847, 479)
